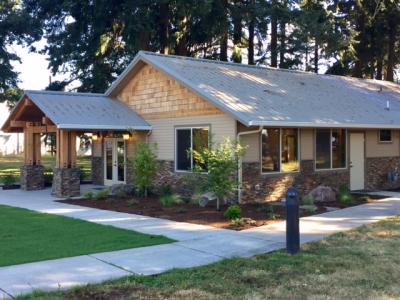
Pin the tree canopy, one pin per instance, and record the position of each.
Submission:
(94, 40)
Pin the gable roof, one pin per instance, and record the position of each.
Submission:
(275, 97)
(68, 110)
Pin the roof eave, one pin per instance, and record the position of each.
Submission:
(324, 125)
(102, 127)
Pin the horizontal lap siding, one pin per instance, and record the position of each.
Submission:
(164, 131)
(375, 149)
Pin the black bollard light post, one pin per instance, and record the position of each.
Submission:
(292, 221)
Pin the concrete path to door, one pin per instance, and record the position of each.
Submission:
(196, 244)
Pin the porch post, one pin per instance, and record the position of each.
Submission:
(66, 176)
(32, 172)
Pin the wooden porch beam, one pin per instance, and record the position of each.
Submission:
(17, 124)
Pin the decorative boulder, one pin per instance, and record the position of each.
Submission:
(128, 189)
(323, 194)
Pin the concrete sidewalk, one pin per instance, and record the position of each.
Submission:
(196, 244)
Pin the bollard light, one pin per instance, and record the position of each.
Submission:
(292, 221)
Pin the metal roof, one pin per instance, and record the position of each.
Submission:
(68, 110)
(275, 97)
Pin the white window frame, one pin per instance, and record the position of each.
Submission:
(385, 142)
(280, 152)
(330, 147)
(191, 145)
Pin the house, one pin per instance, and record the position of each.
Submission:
(301, 129)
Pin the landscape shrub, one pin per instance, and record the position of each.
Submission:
(132, 202)
(168, 200)
(144, 166)
(102, 195)
(88, 195)
(9, 179)
(120, 194)
(233, 212)
(166, 190)
(345, 196)
(220, 163)
(270, 212)
(307, 200)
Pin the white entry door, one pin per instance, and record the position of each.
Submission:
(357, 161)
(114, 161)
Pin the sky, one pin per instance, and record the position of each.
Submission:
(33, 72)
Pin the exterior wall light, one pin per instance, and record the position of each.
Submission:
(126, 136)
(95, 137)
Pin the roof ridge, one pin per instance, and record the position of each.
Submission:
(65, 93)
(264, 67)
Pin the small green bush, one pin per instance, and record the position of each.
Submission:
(233, 212)
(166, 190)
(102, 195)
(132, 202)
(169, 200)
(308, 200)
(88, 195)
(237, 222)
(311, 209)
(181, 210)
(120, 194)
(9, 179)
(270, 211)
(345, 196)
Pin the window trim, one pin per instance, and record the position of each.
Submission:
(385, 142)
(280, 152)
(182, 127)
(330, 147)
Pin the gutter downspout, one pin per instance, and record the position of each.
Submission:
(240, 162)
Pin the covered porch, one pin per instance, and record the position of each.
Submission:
(67, 115)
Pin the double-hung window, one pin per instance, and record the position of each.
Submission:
(330, 148)
(280, 150)
(188, 139)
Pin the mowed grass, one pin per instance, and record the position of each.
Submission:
(361, 264)
(27, 236)
(10, 164)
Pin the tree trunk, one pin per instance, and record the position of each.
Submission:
(144, 40)
(164, 28)
(282, 39)
(274, 41)
(224, 47)
(316, 56)
(251, 43)
(379, 68)
(391, 54)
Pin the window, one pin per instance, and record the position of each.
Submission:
(280, 150)
(330, 148)
(187, 139)
(385, 136)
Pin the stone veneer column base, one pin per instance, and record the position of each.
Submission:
(32, 177)
(66, 182)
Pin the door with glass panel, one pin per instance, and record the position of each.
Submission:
(114, 161)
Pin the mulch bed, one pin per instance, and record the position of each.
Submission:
(254, 214)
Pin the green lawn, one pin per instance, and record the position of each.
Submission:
(27, 236)
(361, 264)
(10, 164)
